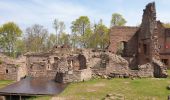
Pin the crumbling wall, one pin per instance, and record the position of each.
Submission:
(74, 76)
(106, 63)
(113, 65)
(11, 69)
(58, 65)
(145, 44)
(126, 35)
(117, 66)
(148, 51)
(22, 68)
(8, 71)
(144, 71)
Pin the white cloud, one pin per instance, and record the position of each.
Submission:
(43, 12)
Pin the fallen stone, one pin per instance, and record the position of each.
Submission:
(168, 97)
(109, 95)
(105, 77)
(168, 87)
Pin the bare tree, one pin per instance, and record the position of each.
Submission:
(36, 38)
(59, 27)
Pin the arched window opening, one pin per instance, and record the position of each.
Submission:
(6, 71)
(145, 49)
(121, 48)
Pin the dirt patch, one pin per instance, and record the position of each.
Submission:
(95, 87)
(99, 85)
(126, 82)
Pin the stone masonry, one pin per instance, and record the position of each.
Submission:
(141, 45)
(12, 69)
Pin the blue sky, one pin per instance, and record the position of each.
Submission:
(28, 12)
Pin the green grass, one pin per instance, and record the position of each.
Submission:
(40, 98)
(138, 89)
(4, 83)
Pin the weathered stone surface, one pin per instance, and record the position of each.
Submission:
(143, 45)
(168, 87)
(12, 69)
(61, 64)
(160, 69)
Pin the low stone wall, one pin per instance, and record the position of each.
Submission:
(37, 74)
(8, 72)
(77, 76)
(143, 71)
(86, 74)
(50, 74)
(22, 72)
(99, 71)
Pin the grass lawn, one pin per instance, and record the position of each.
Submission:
(4, 83)
(96, 89)
(138, 89)
(40, 98)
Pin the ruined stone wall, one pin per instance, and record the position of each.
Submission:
(8, 68)
(164, 44)
(117, 66)
(126, 35)
(32, 59)
(22, 68)
(36, 66)
(76, 76)
(22, 72)
(151, 32)
(167, 41)
(12, 69)
(161, 36)
(165, 58)
(8, 72)
(146, 35)
(58, 66)
(144, 71)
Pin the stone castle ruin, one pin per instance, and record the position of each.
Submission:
(144, 46)
(141, 56)
(61, 63)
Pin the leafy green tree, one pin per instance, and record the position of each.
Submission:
(64, 38)
(117, 20)
(74, 40)
(100, 38)
(9, 33)
(20, 47)
(88, 34)
(80, 27)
